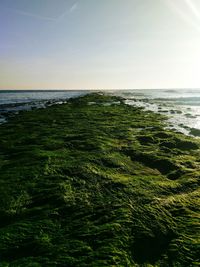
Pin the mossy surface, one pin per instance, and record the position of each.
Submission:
(97, 183)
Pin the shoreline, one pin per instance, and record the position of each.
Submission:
(182, 118)
(12, 109)
(95, 182)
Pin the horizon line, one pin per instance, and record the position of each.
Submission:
(96, 89)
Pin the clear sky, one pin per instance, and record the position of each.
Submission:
(69, 44)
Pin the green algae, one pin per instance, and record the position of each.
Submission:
(95, 182)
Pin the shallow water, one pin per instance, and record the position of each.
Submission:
(182, 107)
(11, 102)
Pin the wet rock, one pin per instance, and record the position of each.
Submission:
(164, 111)
(162, 135)
(172, 111)
(195, 132)
(180, 144)
(188, 115)
(145, 139)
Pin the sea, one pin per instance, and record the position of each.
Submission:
(14, 101)
(180, 106)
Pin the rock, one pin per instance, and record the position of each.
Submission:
(195, 132)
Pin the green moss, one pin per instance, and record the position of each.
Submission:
(95, 182)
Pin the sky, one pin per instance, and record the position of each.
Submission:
(105, 44)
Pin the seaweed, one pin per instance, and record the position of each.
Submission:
(95, 182)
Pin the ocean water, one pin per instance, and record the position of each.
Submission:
(182, 107)
(20, 96)
(11, 102)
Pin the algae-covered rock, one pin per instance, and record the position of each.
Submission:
(177, 143)
(97, 184)
(195, 132)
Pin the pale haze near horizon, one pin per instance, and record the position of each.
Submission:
(107, 44)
